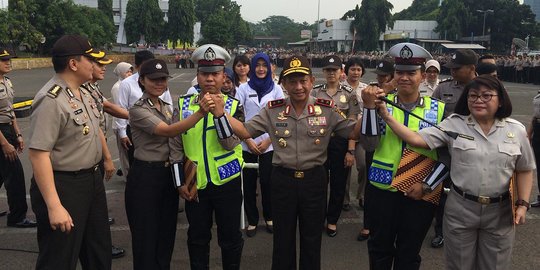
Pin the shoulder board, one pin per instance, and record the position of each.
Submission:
(318, 86)
(514, 121)
(346, 88)
(455, 115)
(54, 91)
(139, 102)
(447, 80)
(276, 103)
(325, 102)
(86, 86)
(6, 78)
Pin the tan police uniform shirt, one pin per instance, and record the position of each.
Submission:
(94, 90)
(300, 142)
(344, 98)
(483, 166)
(358, 92)
(144, 116)
(6, 101)
(66, 126)
(449, 93)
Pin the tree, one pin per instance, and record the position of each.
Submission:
(106, 7)
(452, 19)
(144, 21)
(21, 31)
(4, 29)
(215, 30)
(370, 20)
(221, 21)
(181, 21)
(426, 10)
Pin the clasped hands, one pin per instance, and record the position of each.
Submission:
(212, 103)
(370, 97)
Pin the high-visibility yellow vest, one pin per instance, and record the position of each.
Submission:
(201, 145)
(388, 154)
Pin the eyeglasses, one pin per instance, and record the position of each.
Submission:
(483, 97)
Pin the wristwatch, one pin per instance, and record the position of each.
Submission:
(351, 151)
(426, 189)
(521, 202)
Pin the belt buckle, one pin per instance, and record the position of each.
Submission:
(298, 174)
(483, 200)
(167, 164)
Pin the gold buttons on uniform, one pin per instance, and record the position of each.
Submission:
(282, 142)
(312, 132)
(276, 133)
(286, 132)
(317, 141)
(85, 130)
(322, 131)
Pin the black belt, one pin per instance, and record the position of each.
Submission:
(90, 170)
(298, 174)
(151, 164)
(7, 124)
(482, 199)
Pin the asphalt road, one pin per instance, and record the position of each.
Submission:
(18, 247)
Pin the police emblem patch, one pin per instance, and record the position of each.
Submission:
(295, 63)
(331, 60)
(158, 66)
(454, 56)
(405, 52)
(209, 54)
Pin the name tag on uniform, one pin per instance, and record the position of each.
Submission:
(252, 95)
(186, 114)
(317, 121)
(281, 124)
(430, 116)
(79, 111)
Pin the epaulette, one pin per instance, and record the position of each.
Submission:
(346, 88)
(318, 86)
(139, 102)
(276, 103)
(325, 102)
(514, 121)
(85, 86)
(455, 115)
(450, 79)
(54, 91)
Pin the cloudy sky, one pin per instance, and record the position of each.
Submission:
(304, 10)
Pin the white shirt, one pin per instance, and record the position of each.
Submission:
(426, 88)
(114, 95)
(249, 99)
(128, 93)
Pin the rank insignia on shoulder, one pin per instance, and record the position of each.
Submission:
(318, 86)
(54, 91)
(276, 103)
(346, 88)
(325, 102)
(149, 101)
(447, 80)
(139, 102)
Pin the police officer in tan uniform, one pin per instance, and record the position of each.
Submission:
(340, 157)
(300, 128)
(11, 140)
(151, 196)
(66, 145)
(462, 66)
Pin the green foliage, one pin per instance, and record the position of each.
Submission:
(4, 27)
(144, 21)
(419, 10)
(221, 22)
(20, 30)
(181, 20)
(370, 20)
(106, 7)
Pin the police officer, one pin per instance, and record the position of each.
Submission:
(399, 220)
(219, 163)
(300, 128)
(340, 157)
(533, 132)
(11, 140)
(151, 196)
(103, 106)
(462, 67)
(66, 145)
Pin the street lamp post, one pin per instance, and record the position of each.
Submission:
(485, 14)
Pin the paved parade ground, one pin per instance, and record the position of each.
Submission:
(18, 247)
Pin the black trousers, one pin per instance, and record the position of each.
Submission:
(367, 194)
(224, 202)
(302, 201)
(536, 148)
(82, 194)
(152, 212)
(250, 186)
(12, 175)
(337, 173)
(398, 226)
(131, 149)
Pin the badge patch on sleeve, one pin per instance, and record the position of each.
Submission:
(229, 169)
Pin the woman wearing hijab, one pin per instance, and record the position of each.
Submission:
(122, 71)
(254, 95)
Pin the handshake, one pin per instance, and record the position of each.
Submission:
(212, 103)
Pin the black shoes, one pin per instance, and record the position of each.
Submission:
(250, 232)
(363, 236)
(437, 242)
(111, 221)
(119, 172)
(535, 204)
(3, 213)
(269, 227)
(118, 252)
(331, 232)
(25, 223)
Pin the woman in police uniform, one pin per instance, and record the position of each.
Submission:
(341, 152)
(151, 196)
(479, 219)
